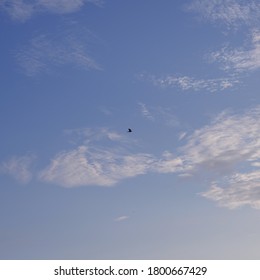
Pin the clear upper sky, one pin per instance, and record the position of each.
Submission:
(183, 75)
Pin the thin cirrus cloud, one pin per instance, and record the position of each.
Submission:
(224, 144)
(232, 13)
(239, 59)
(92, 136)
(187, 83)
(229, 147)
(240, 189)
(225, 152)
(99, 158)
(22, 10)
(46, 51)
(101, 167)
(121, 218)
(18, 167)
(158, 114)
(145, 111)
(43, 54)
(104, 159)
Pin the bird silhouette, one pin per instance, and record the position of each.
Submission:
(129, 130)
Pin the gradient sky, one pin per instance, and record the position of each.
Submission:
(184, 75)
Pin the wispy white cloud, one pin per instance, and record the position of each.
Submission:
(166, 116)
(18, 167)
(103, 159)
(237, 190)
(145, 111)
(182, 135)
(44, 53)
(229, 148)
(228, 141)
(102, 167)
(65, 6)
(232, 13)
(186, 83)
(239, 59)
(17, 9)
(100, 158)
(96, 136)
(121, 218)
(226, 152)
(168, 163)
(160, 114)
(106, 110)
(22, 10)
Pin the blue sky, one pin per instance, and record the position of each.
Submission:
(184, 75)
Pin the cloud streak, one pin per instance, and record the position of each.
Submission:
(121, 218)
(159, 114)
(22, 10)
(145, 111)
(187, 83)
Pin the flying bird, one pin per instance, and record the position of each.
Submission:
(129, 130)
